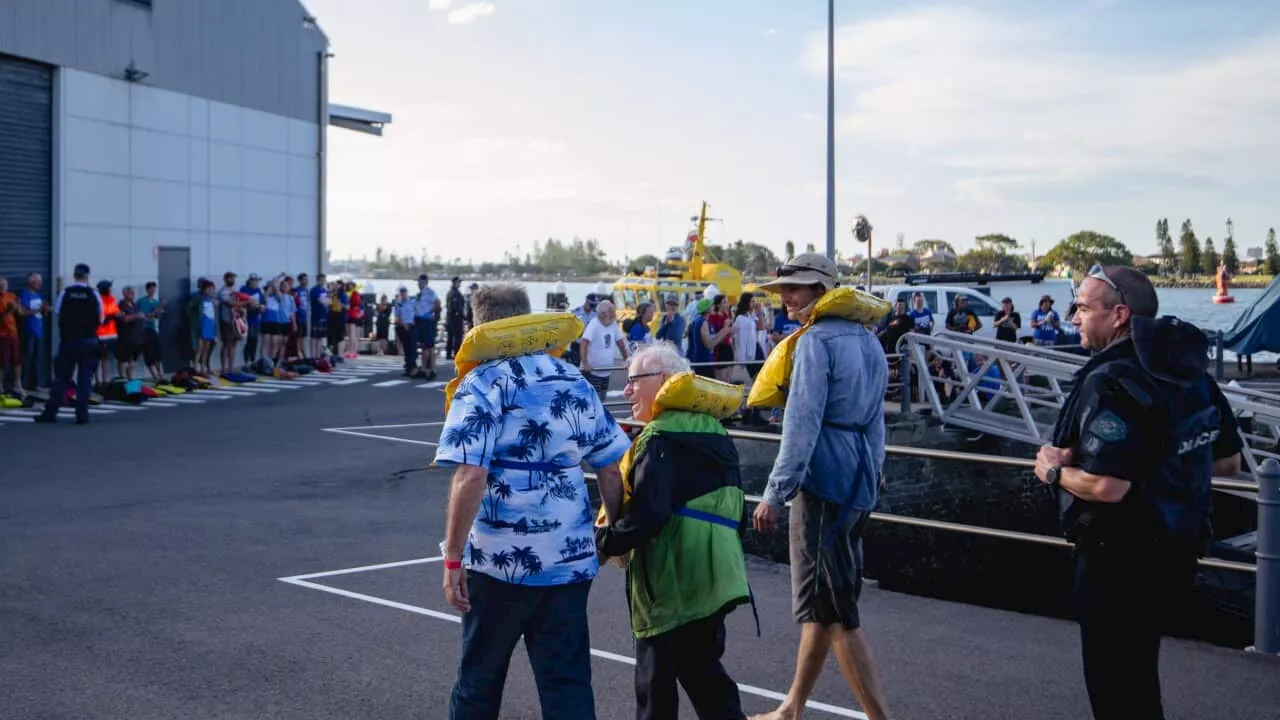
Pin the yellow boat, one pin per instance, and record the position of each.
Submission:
(684, 273)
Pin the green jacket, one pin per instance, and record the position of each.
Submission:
(681, 568)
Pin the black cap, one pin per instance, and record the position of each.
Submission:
(422, 277)
(455, 279)
(81, 270)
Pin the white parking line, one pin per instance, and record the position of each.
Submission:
(304, 582)
(352, 381)
(390, 383)
(381, 437)
(432, 385)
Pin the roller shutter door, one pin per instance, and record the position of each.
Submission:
(26, 170)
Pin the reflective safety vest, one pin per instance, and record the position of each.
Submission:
(107, 330)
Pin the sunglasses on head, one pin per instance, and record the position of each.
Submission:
(1097, 272)
(789, 270)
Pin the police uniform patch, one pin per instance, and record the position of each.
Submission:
(1108, 427)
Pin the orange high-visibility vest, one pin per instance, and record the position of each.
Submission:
(107, 330)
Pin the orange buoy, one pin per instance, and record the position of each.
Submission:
(1220, 299)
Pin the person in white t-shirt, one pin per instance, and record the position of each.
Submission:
(746, 345)
(599, 339)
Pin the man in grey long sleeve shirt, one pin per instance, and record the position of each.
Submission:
(828, 467)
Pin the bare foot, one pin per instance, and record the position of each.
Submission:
(779, 714)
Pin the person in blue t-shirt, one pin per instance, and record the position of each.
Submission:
(921, 314)
(319, 316)
(208, 327)
(1045, 322)
(302, 301)
(32, 309)
(639, 333)
(253, 290)
(782, 327)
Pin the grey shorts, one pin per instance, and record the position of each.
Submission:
(826, 564)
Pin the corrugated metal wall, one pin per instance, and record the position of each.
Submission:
(252, 53)
(26, 170)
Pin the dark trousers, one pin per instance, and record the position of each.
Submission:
(1123, 598)
(453, 329)
(251, 344)
(553, 623)
(78, 357)
(409, 345)
(32, 349)
(690, 655)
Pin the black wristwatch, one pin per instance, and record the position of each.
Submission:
(1054, 475)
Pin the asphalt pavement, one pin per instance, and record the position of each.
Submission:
(189, 563)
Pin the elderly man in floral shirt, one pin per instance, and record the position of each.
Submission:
(519, 551)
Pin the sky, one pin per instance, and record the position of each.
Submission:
(518, 120)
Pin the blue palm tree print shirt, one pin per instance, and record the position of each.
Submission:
(530, 421)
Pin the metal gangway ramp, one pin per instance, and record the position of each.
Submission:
(1016, 391)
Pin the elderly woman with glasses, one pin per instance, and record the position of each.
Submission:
(681, 529)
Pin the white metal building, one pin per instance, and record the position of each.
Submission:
(163, 139)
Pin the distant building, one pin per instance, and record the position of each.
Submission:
(1254, 253)
(164, 140)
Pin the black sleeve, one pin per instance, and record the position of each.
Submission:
(1228, 442)
(1118, 436)
(1017, 320)
(650, 506)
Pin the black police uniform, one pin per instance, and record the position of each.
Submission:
(79, 316)
(1142, 410)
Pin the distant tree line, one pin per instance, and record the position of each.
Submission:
(991, 253)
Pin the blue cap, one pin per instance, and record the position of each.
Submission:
(81, 270)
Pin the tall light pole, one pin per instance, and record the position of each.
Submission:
(831, 129)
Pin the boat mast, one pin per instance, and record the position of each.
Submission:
(695, 263)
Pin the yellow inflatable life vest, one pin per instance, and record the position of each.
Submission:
(770, 387)
(685, 391)
(512, 337)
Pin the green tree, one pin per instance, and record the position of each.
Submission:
(645, 261)
(924, 247)
(1229, 257)
(1273, 253)
(790, 249)
(1084, 249)
(998, 242)
(1209, 258)
(809, 248)
(1168, 256)
(1189, 249)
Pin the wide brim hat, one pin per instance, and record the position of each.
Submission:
(806, 269)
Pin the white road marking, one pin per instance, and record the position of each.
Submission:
(381, 437)
(437, 423)
(390, 383)
(302, 581)
(353, 381)
(434, 385)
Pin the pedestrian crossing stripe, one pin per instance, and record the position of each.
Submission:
(348, 375)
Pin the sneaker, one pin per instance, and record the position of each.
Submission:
(42, 418)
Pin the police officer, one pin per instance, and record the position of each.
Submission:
(80, 312)
(1140, 438)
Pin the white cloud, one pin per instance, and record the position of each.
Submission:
(471, 13)
(1017, 108)
(771, 31)
(439, 4)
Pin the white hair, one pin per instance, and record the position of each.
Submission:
(662, 357)
(604, 305)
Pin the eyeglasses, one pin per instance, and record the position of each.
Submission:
(631, 379)
(1097, 272)
(789, 270)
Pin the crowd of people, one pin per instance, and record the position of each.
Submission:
(1131, 465)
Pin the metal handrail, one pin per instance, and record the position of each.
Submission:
(934, 454)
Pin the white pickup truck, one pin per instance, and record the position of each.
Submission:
(984, 300)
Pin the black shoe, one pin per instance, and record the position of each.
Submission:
(82, 420)
(42, 418)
